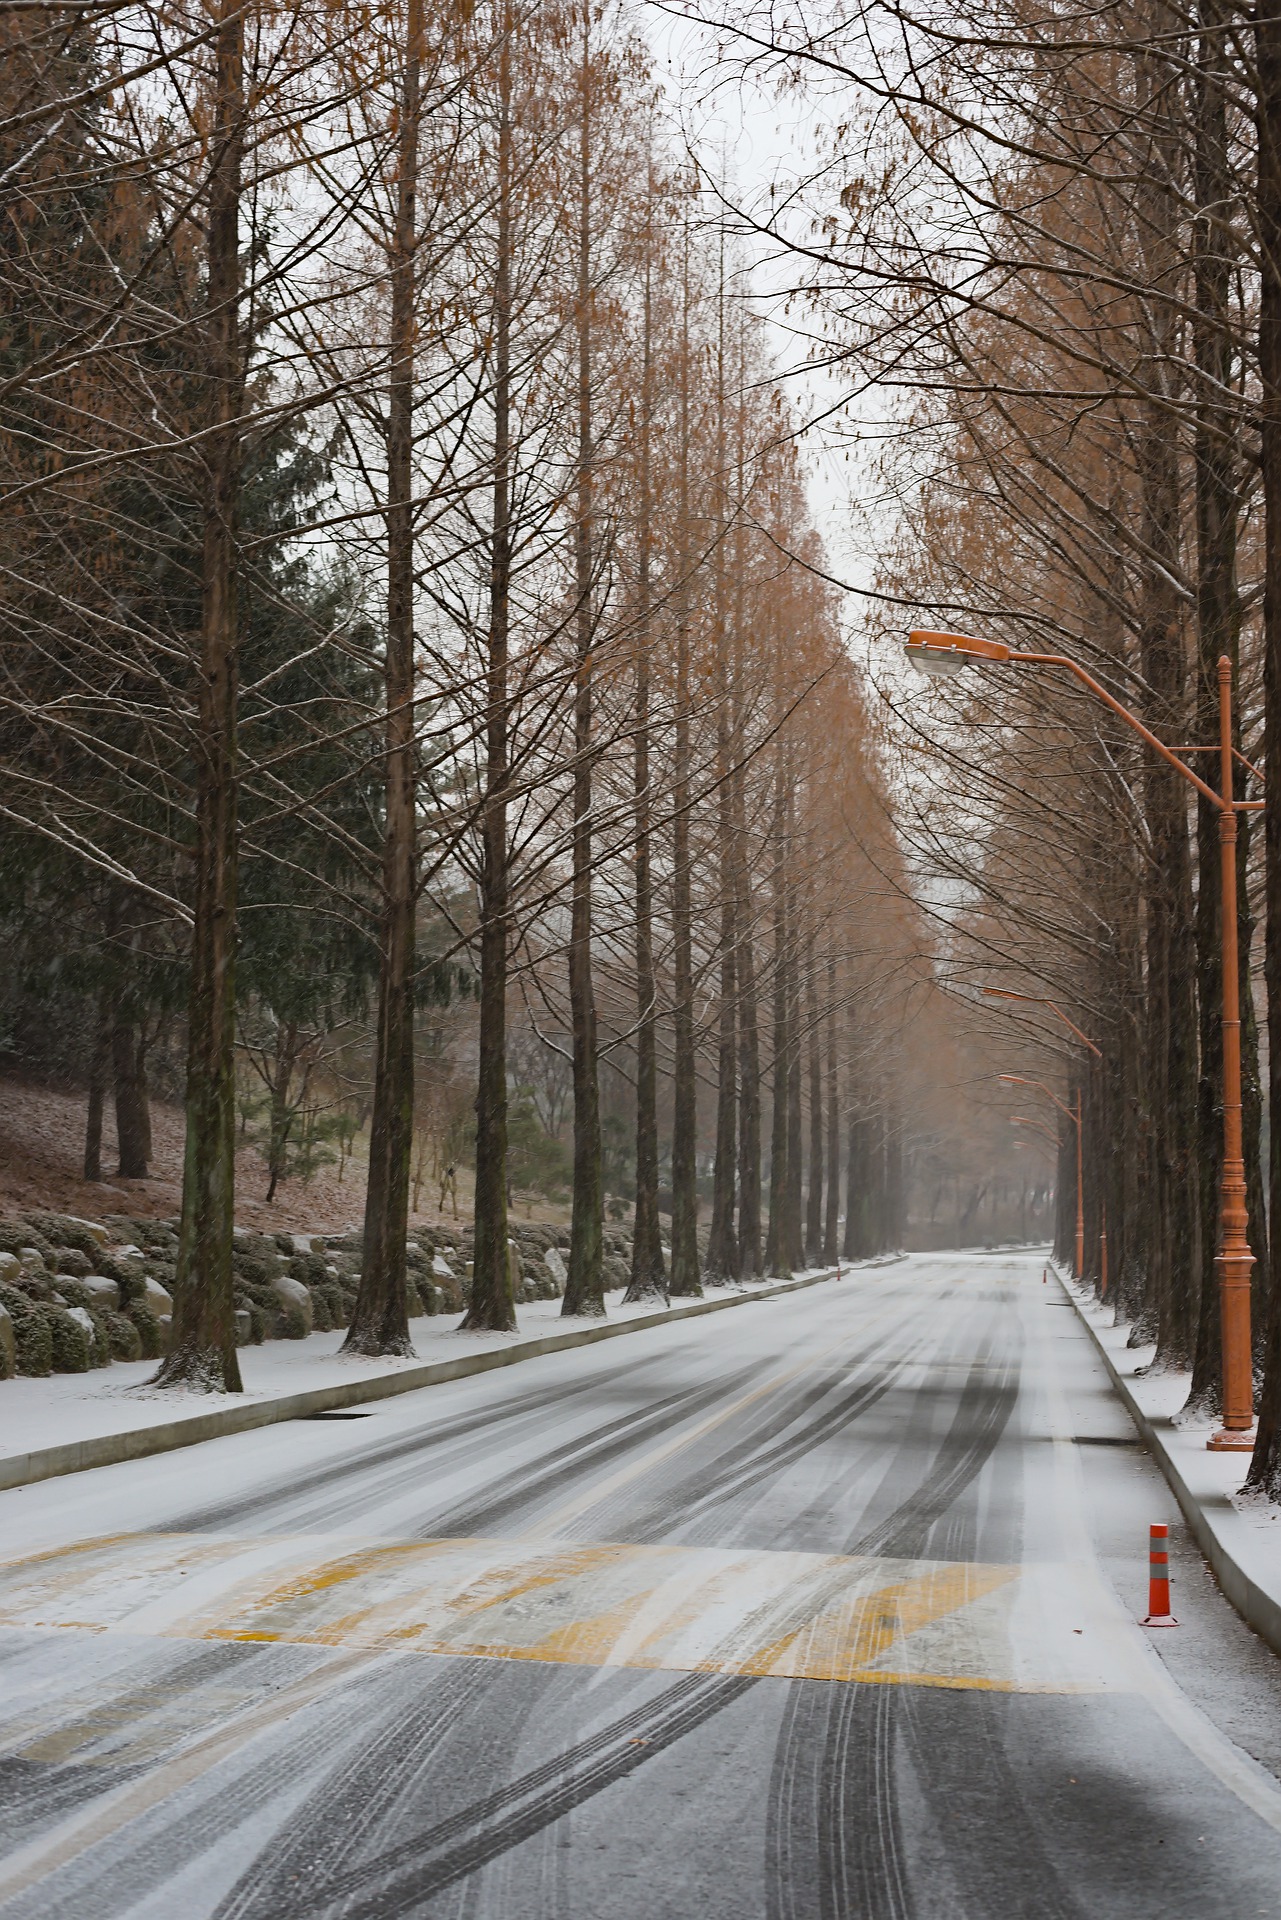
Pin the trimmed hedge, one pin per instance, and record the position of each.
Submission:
(60, 1230)
(147, 1327)
(15, 1235)
(32, 1338)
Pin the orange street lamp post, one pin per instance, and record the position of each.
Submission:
(945, 653)
(1017, 1080)
(1038, 1000)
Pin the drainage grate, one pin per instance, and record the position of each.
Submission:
(337, 1413)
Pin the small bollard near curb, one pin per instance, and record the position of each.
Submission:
(1045, 1275)
(1158, 1613)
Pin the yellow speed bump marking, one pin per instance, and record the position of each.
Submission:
(689, 1609)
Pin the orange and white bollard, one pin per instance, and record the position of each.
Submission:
(1158, 1614)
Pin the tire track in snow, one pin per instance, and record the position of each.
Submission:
(457, 1847)
(283, 1500)
(181, 1697)
(174, 1813)
(700, 1499)
(329, 1837)
(585, 1454)
(835, 1842)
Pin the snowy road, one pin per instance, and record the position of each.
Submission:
(820, 1609)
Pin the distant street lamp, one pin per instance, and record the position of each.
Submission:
(947, 653)
(1017, 1080)
(1039, 1000)
(1046, 1133)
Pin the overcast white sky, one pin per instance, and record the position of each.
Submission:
(756, 136)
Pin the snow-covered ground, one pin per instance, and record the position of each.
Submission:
(520, 1645)
(68, 1408)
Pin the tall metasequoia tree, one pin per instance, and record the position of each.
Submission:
(814, 1067)
(685, 1262)
(851, 1246)
(585, 1285)
(893, 1216)
(722, 1241)
(777, 1244)
(1170, 956)
(648, 1276)
(793, 1199)
(1265, 1465)
(722, 1244)
(492, 1306)
(380, 1319)
(749, 1043)
(1219, 464)
(203, 1348)
(748, 1247)
(832, 1216)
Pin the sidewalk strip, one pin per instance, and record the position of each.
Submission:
(110, 1449)
(1209, 1513)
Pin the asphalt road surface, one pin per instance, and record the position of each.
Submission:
(820, 1609)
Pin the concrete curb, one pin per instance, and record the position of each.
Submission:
(109, 1449)
(1257, 1607)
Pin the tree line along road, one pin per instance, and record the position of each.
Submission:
(823, 1607)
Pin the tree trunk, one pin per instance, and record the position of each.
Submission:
(97, 1090)
(1127, 1257)
(1171, 962)
(814, 1049)
(133, 1123)
(722, 1249)
(492, 1307)
(585, 1286)
(894, 1228)
(380, 1318)
(279, 1114)
(1265, 1466)
(749, 1040)
(877, 1229)
(776, 1239)
(832, 1222)
(1218, 632)
(855, 1244)
(722, 1245)
(648, 1276)
(793, 1222)
(202, 1351)
(685, 1265)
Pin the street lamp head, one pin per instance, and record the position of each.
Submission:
(936, 662)
(939, 654)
